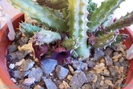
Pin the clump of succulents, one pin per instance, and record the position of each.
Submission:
(84, 25)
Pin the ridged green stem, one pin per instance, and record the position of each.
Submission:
(105, 40)
(46, 36)
(77, 22)
(127, 20)
(55, 4)
(101, 14)
(29, 29)
(44, 15)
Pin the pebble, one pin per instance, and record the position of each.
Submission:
(108, 51)
(71, 69)
(108, 60)
(61, 72)
(115, 60)
(61, 86)
(117, 64)
(109, 82)
(23, 40)
(101, 83)
(113, 71)
(38, 87)
(99, 67)
(79, 65)
(90, 76)
(66, 85)
(36, 73)
(49, 83)
(98, 54)
(11, 66)
(29, 81)
(106, 72)
(18, 35)
(78, 80)
(21, 86)
(104, 86)
(12, 48)
(86, 86)
(95, 79)
(27, 64)
(14, 80)
(16, 74)
(90, 63)
(69, 77)
(48, 65)
(117, 56)
(102, 78)
(20, 62)
(17, 56)
(102, 60)
(25, 73)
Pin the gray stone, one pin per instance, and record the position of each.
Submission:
(48, 65)
(36, 73)
(23, 40)
(21, 86)
(98, 54)
(108, 51)
(61, 72)
(113, 71)
(17, 74)
(90, 63)
(90, 76)
(108, 60)
(12, 48)
(17, 56)
(49, 83)
(79, 65)
(78, 80)
(25, 73)
(29, 81)
(27, 64)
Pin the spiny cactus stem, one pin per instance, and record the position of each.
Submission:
(127, 20)
(43, 15)
(56, 4)
(102, 13)
(105, 40)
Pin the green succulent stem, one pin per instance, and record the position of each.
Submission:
(46, 37)
(44, 15)
(105, 40)
(77, 22)
(101, 14)
(29, 29)
(127, 20)
(55, 4)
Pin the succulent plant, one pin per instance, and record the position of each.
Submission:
(84, 24)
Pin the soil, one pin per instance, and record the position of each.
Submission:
(106, 69)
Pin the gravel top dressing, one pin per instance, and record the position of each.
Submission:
(105, 69)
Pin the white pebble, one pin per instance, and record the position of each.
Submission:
(11, 66)
(13, 80)
(29, 81)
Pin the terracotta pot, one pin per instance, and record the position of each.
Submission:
(5, 80)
